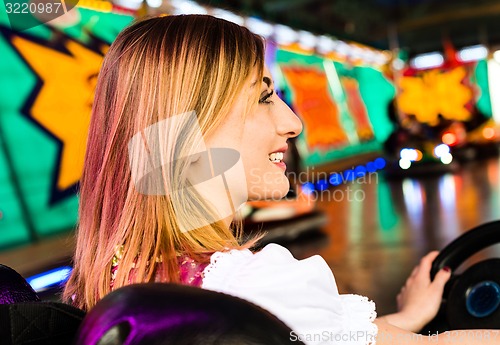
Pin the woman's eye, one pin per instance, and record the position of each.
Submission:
(266, 98)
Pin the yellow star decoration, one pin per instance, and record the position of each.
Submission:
(434, 93)
(64, 102)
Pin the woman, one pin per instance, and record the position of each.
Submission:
(186, 126)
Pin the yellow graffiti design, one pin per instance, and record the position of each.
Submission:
(436, 92)
(64, 102)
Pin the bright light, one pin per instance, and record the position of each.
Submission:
(446, 158)
(154, 3)
(428, 60)
(441, 150)
(342, 48)
(259, 27)
(420, 155)
(368, 56)
(473, 53)
(308, 188)
(50, 278)
(496, 56)
(404, 163)
(360, 171)
(322, 185)
(285, 34)
(379, 163)
(398, 64)
(307, 40)
(356, 52)
(382, 58)
(335, 179)
(409, 154)
(130, 4)
(325, 44)
(229, 16)
(488, 133)
(370, 167)
(187, 7)
(449, 138)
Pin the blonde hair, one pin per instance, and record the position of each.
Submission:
(156, 68)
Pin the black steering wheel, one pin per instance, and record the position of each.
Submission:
(471, 300)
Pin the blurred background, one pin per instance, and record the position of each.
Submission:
(400, 101)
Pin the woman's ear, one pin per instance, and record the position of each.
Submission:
(195, 158)
(200, 167)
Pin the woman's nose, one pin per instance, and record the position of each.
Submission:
(288, 123)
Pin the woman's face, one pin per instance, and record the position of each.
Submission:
(261, 139)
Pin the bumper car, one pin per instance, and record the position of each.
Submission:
(422, 158)
(141, 314)
(285, 219)
(25, 319)
(481, 142)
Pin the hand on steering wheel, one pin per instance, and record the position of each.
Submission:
(471, 300)
(420, 298)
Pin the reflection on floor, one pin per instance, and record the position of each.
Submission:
(378, 230)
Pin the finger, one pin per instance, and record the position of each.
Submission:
(414, 272)
(429, 257)
(441, 278)
(426, 263)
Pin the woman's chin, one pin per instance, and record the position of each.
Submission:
(275, 192)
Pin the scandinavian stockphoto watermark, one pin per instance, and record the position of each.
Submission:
(347, 185)
(170, 158)
(26, 14)
(403, 338)
(354, 337)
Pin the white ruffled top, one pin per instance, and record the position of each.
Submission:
(301, 293)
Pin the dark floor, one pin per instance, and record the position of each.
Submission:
(378, 229)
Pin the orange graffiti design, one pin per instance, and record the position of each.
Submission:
(357, 108)
(313, 103)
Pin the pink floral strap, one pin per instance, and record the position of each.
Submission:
(190, 271)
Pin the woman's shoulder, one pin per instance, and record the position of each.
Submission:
(265, 267)
(302, 293)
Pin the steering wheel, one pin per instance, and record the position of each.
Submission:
(471, 300)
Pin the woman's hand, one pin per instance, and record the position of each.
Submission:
(419, 299)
